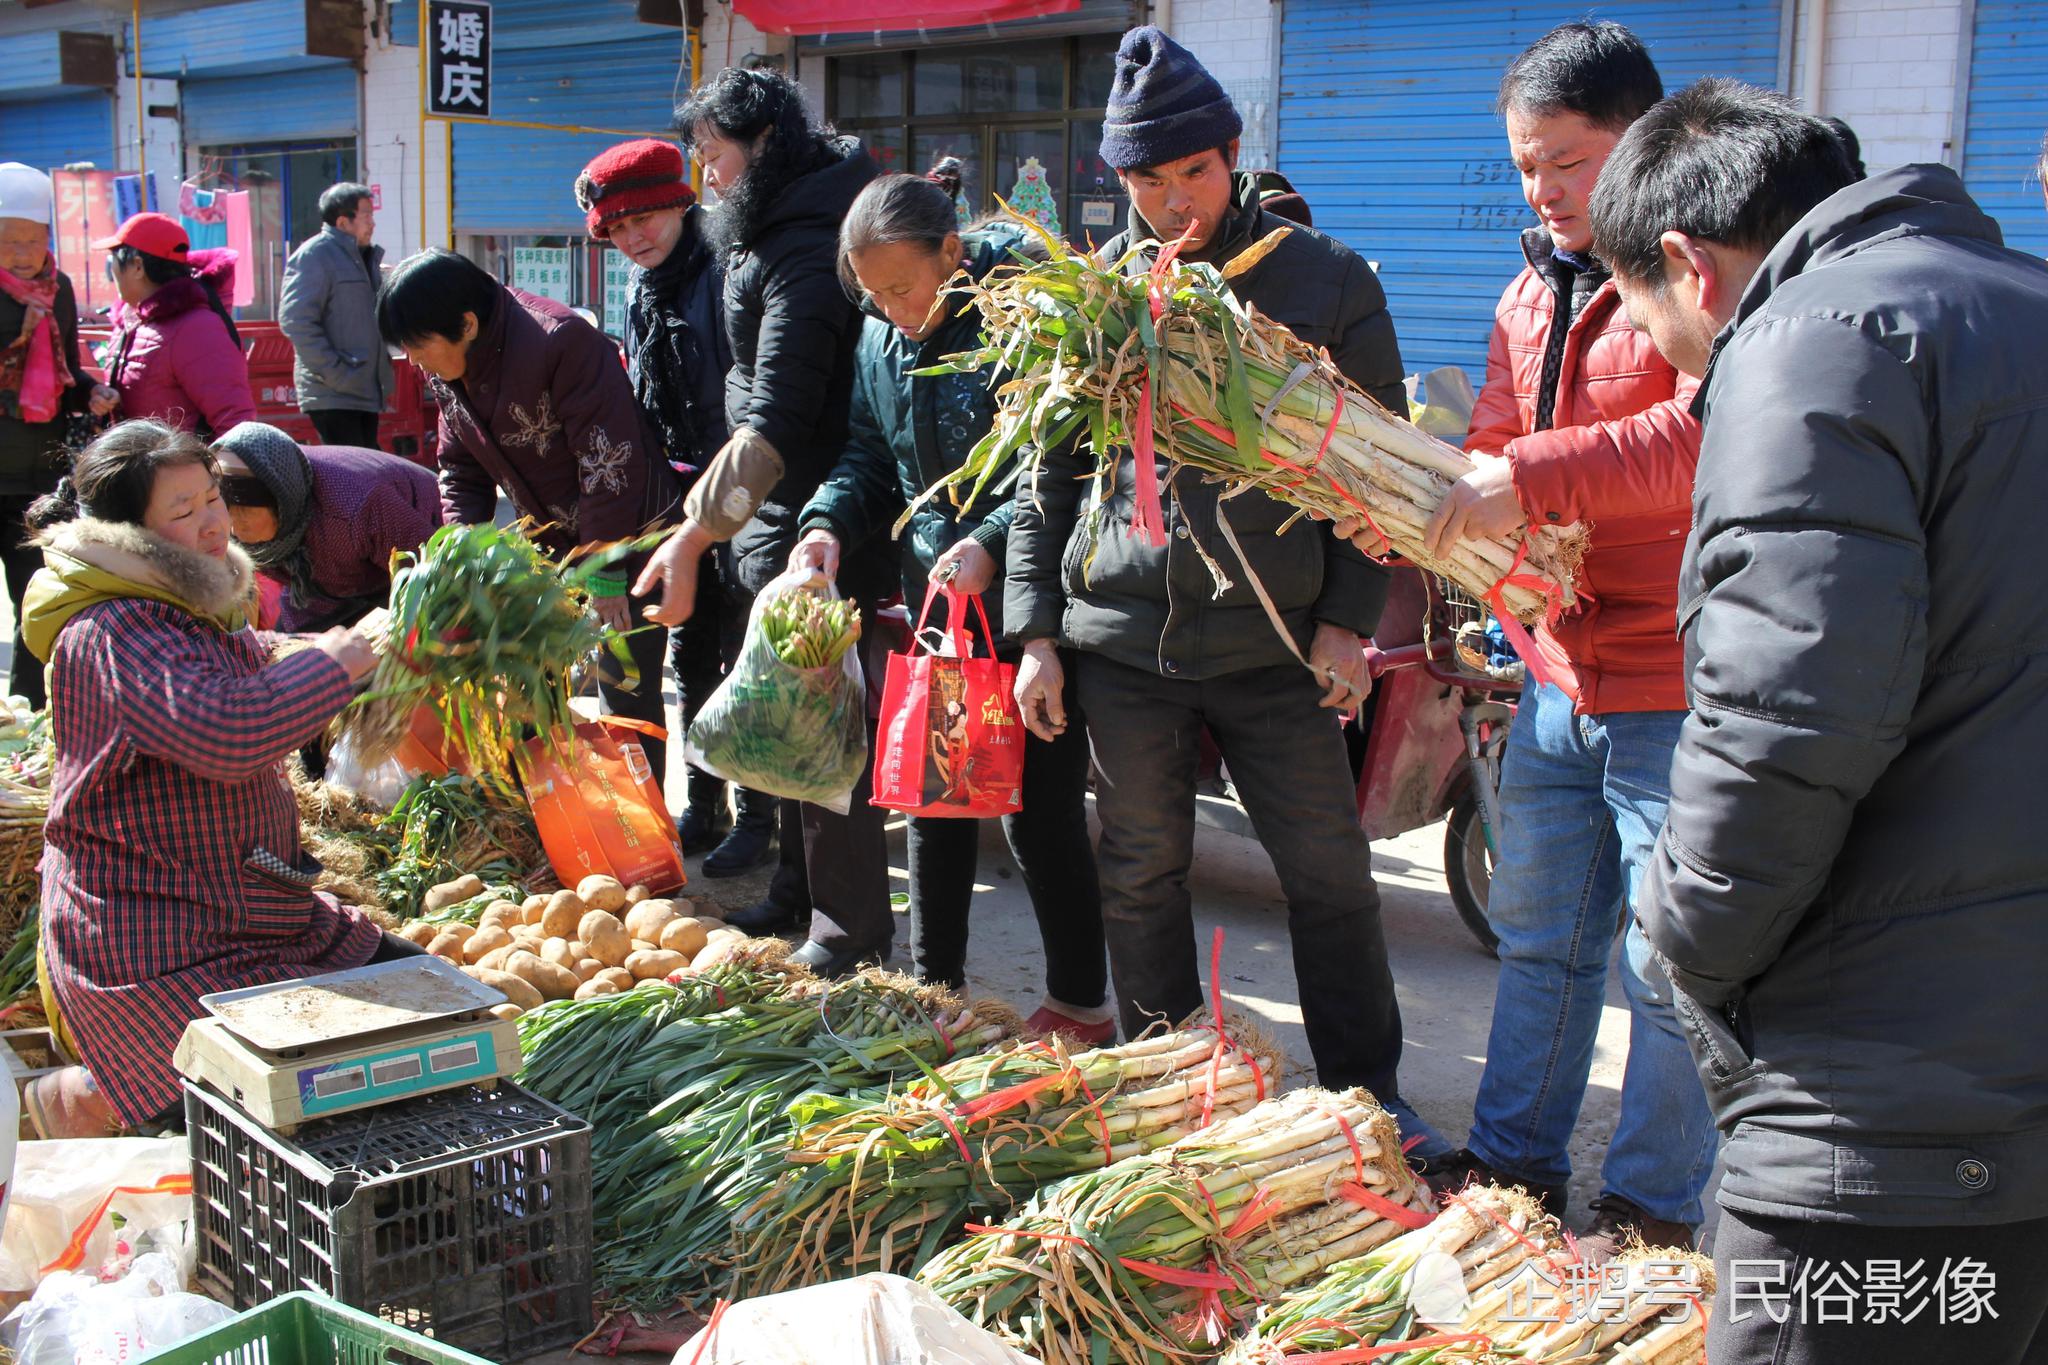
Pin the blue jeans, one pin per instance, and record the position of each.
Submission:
(1581, 801)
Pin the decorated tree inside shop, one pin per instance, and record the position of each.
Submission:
(1032, 196)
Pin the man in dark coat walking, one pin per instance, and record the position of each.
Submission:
(1166, 649)
(1848, 897)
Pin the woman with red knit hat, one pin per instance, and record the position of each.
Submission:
(636, 197)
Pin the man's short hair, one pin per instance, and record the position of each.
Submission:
(339, 201)
(1599, 71)
(1720, 161)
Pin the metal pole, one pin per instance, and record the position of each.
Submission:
(422, 156)
(141, 142)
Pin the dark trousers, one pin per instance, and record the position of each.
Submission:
(700, 650)
(1805, 1293)
(837, 866)
(1048, 837)
(345, 427)
(1286, 756)
(20, 560)
(642, 700)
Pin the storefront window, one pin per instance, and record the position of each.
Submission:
(1025, 120)
(588, 276)
(284, 183)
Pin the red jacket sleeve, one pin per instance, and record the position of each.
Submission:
(1629, 466)
(1496, 415)
(213, 372)
(469, 497)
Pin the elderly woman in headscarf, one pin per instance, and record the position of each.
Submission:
(322, 522)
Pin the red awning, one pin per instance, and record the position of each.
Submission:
(874, 16)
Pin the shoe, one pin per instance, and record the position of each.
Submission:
(1620, 1223)
(1454, 1170)
(765, 917)
(703, 827)
(833, 963)
(1049, 1021)
(749, 848)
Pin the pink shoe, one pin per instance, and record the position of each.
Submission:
(1098, 1033)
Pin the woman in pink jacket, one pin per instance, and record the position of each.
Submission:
(176, 357)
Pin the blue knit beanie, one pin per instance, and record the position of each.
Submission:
(1163, 105)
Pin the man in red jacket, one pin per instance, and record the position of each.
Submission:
(1581, 421)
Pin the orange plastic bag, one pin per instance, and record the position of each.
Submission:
(424, 748)
(599, 809)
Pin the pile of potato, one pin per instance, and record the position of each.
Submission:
(597, 940)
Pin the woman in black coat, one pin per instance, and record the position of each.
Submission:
(785, 182)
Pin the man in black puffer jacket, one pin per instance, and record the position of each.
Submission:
(1172, 637)
(784, 185)
(1851, 888)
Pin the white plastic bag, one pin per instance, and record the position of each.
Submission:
(379, 787)
(868, 1320)
(800, 733)
(74, 1319)
(63, 1191)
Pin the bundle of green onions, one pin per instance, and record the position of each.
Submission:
(1170, 361)
(882, 1184)
(1491, 1280)
(444, 827)
(715, 1143)
(488, 630)
(1152, 1258)
(809, 631)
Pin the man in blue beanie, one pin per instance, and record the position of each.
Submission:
(1167, 633)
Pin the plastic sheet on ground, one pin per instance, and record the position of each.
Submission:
(63, 1192)
(75, 1319)
(868, 1320)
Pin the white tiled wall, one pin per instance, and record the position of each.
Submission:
(1889, 71)
(1234, 40)
(391, 152)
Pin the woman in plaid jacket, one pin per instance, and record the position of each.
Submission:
(173, 866)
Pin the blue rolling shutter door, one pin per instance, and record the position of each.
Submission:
(546, 69)
(1387, 128)
(48, 133)
(285, 106)
(2008, 114)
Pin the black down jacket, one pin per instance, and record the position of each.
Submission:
(1851, 888)
(793, 328)
(1084, 579)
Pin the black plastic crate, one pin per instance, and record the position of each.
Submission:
(463, 1214)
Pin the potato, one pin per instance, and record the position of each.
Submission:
(618, 976)
(717, 949)
(586, 967)
(532, 908)
(420, 932)
(553, 980)
(449, 893)
(637, 893)
(515, 989)
(556, 950)
(642, 945)
(593, 988)
(648, 918)
(703, 907)
(601, 892)
(565, 908)
(686, 936)
(448, 944)
(609, 942)
(501, 913)
(654, 964)
(528, 934)
(483, 940)
(508, 1010)
(496, 958)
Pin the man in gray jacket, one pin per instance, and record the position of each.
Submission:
(328, 309)
(1850, 892)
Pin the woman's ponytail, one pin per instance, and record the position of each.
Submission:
(53, 509)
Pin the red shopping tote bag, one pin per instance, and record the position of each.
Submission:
(598, 808)
(950, 741)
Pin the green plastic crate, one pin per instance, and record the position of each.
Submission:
(309, 1329)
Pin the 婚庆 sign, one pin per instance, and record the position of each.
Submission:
(458, 58)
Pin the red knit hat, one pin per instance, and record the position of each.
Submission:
(641, 176)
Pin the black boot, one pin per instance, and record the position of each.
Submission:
(751, 845)
(767, 916)
(707, 818)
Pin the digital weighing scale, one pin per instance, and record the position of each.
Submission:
(323, 1045)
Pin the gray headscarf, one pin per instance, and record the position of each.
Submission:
(276, 460)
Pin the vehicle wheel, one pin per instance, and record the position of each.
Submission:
(1468, 867)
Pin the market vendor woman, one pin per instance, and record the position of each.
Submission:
(173, 866)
